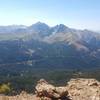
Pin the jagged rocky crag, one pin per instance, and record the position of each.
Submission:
(76, 89)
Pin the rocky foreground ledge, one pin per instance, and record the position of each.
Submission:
(76, 89)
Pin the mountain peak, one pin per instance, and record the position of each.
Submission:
(62, 25)
(61, 28)
(40, 28)
(39, 24)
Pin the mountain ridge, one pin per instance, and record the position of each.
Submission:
(79, 46)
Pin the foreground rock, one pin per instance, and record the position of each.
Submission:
(76, 89)
(84, 89)
(46, 90)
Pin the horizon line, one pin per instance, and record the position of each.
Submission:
(48, 25)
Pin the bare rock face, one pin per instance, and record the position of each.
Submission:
(76, 89)
(84, 89)
(46, 90)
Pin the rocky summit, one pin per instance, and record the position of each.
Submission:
(76, 89)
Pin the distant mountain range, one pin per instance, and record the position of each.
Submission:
(42, 46)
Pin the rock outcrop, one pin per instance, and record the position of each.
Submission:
(84, 89)
(46, 90)
(76, 89)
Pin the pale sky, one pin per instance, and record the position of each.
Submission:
(80, 14)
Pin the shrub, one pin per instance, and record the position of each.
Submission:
(5, 88)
